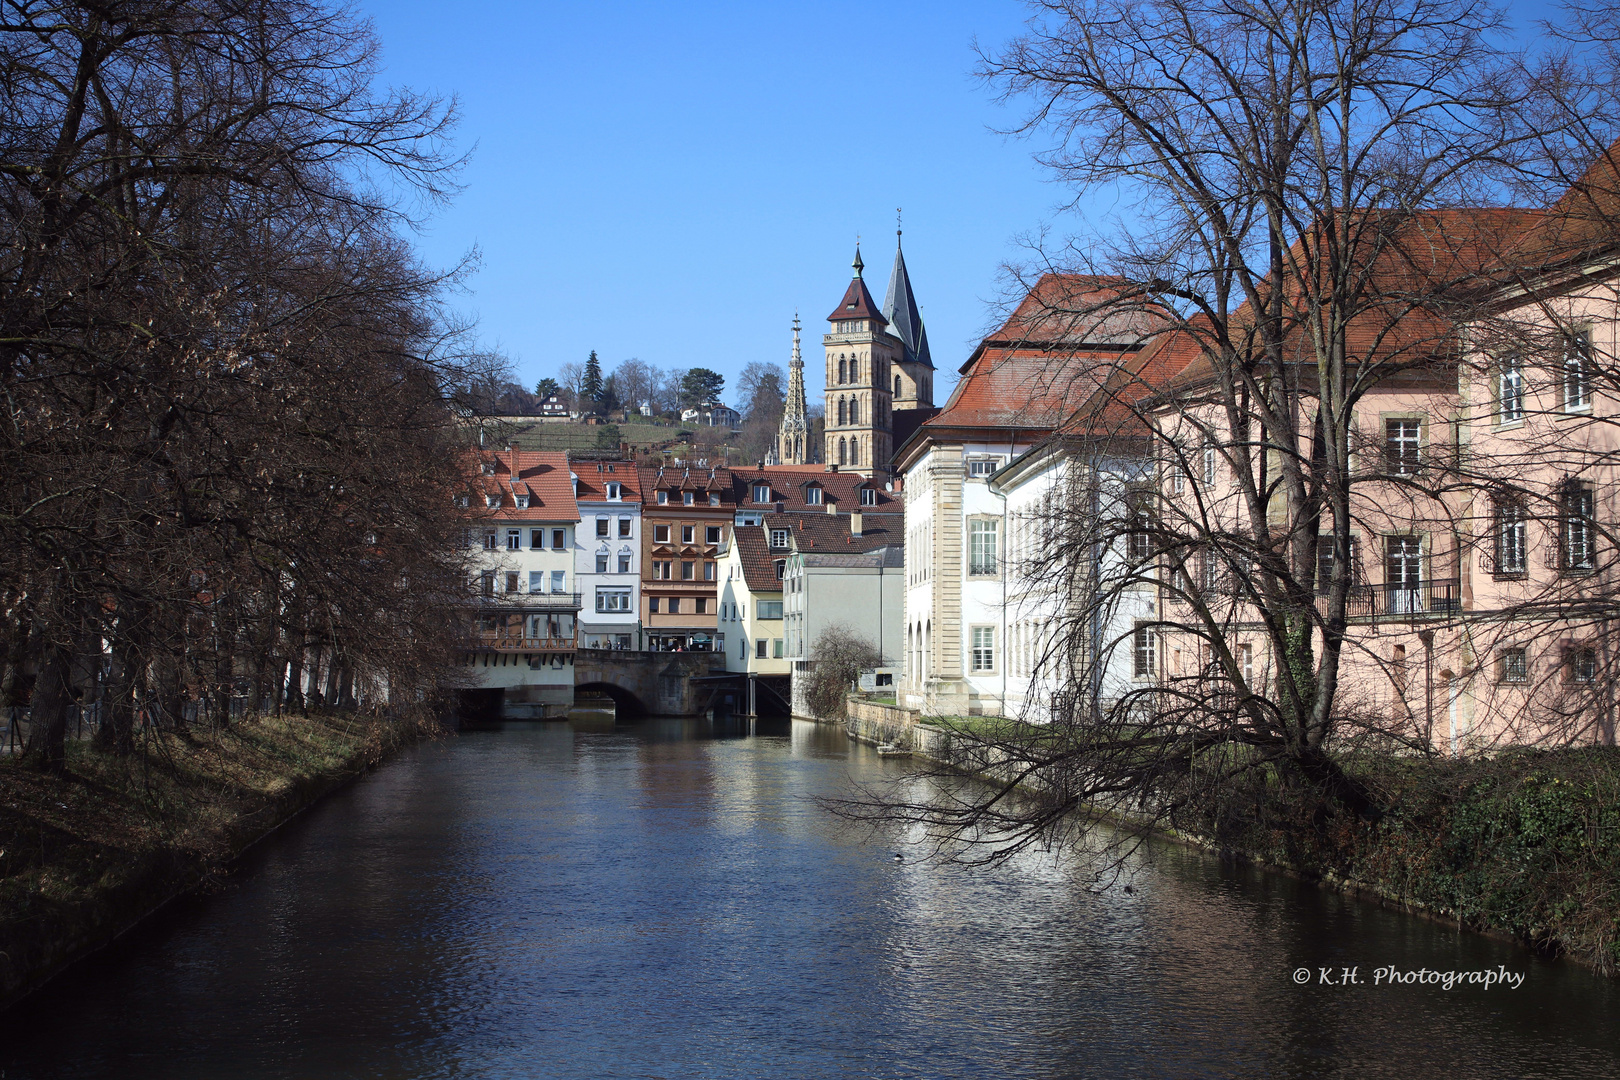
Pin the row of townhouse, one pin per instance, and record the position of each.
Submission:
(608, 554)
(1479, 577)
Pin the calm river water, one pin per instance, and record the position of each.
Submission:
(662, 900)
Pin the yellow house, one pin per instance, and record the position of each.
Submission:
(751, 598)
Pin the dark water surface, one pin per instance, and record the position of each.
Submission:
(658, 901)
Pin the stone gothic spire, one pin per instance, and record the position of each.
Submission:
(793, 439)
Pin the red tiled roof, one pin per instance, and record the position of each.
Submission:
(701, 480)
(827, 534)
(540, 474)
(594, 476)
(758, 562)
(1583, 222)
(788, 485)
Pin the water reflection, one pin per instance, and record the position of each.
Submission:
(665, 900)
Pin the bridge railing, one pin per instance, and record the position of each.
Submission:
(500, 642)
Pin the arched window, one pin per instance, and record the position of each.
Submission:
(854, 411)
(854, 368)
(897, 386)
(841, 452)
(854, 451)
(840, 368)
(841, 412)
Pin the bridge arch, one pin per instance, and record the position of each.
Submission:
(626, 704)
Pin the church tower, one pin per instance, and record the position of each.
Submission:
(861, 359)
(913, 379)
(793, 438)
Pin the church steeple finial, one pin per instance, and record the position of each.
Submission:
(857, 264)
(897, 227)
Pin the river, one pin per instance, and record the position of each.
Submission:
(664, 900)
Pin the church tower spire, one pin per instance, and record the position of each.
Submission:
(914, 376)
(860, 353)
(793, 438)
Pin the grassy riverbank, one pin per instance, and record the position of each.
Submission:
(1525, 844)
(85, 856)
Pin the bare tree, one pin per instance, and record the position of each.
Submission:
(837, 657)
(1301, 177)
(634, 380)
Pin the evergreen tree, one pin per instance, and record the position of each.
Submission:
(700, 385)
(590, 384)
(546, 388)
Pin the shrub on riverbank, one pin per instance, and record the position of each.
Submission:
(86, 854)
(1526, 843)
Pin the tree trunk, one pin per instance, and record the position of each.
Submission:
(47, 733)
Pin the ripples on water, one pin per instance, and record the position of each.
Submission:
(656, 901)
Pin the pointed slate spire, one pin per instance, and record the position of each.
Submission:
(900, 309)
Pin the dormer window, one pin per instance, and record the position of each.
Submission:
(462, 501)
(663, 497)
(610, 467)
(489, 468)
(812, 495)
(868, 496)
(687, 498)
(714, 498)
(613, 491)
(779, 538)
(762, 493)
(492, 501)
(522, 502)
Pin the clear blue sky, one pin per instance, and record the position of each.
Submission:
(672, 181)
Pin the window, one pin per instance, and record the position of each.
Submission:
(688, 534)
(760, 645)
(1142, 653)
(613, 491)
(489, 540)
(537, 538)
(1576, 506)
(1583, 664)
(601, 562)
(868, 496)
(1246, 661)
(602, 527)
(983, 648)
(662, 498)
(768, 609)
(511, 581)
(492, 501)
(1324, 562)
(557, 578)
(1510, 535)
(776, 648)
(854, 411)
(762, 493)
(624, 562)
(486, 583)
(1515, 666)
(559, 539)
(660, 534)
(624, 528)
(711, 535)
(897, 386)
(1578, 370)
(708, 571)
(1402, 444)
(812, 495)
(688, 570)
(781, 568)
(982, 467)
(1139, 538)
(981, 546)
(461, 501)
(522, 502)
(652, 605)
(674, 605)
(514, 539)
(1403, 574)
(779, 538)
(612, 599)
(661, 570)
(703, 605)
(688, 498)
(1209, 464)
(537, 581)
(1510, 390)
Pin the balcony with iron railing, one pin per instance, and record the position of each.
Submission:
(1405, 599)
(515, 642)
(534, 601)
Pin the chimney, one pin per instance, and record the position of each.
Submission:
(855, 523)
(832, 468)
(832, 508)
